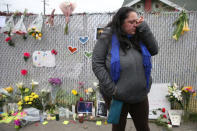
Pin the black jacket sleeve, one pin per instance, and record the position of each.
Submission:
(99, 67)
(146, 36)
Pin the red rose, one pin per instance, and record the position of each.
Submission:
(164, 116)
(54, 52)
(81, 99)
(163, 110)
(7, 39)
(26, 54)
(24, 72)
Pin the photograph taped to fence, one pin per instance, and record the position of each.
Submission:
(101, 109)
(84, 106)
(98, 33)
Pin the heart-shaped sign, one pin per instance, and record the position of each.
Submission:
(88, 54)
(83, 39)
(72, 49)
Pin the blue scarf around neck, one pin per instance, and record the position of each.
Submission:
(116, 105)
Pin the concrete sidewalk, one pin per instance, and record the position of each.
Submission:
(90, 126)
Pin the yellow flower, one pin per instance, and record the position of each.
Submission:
(20, 103)
(90, 90)
(36, 96)
(33, 28)
(174, 37)
(26, 98)
(30, 103)
(20, 108)
(33, 34)
(31, 99)
(19, 85)
(40, 34)
(26, 90)
(9, 89)
(33, 93)
(194, 94)
(74, 92)
(186, 27)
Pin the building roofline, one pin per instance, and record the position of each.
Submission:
(132, 3)
(172, 4)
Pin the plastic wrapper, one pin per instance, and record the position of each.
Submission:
(3, 91)
(7, 29)
(20, 28)
(35, 28)
(33, 115)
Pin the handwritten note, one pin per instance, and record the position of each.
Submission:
(41, 58)
(175, 117)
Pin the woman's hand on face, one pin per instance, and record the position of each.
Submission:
(140, 20)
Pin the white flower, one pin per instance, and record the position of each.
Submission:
(175, 85)
(177, 94)
(169, 126)
(34, 83)
(95, 84)
(19, 85)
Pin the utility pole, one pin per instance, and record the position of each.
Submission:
(44, 2)
(8, 8)
(44, 5)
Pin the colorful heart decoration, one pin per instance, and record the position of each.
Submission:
(88, 54)
(83, 39)
(72, 49)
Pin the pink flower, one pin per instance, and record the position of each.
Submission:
(23, 72)
(163, 110)
(54, 52)
(8, 39)
(164, 116)
(27, 54)
(81, 98)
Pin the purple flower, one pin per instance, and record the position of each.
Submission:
(55, 81)
(17, 122)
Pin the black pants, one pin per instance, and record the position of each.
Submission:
(139, 113)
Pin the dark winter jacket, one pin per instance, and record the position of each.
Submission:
(131, 86)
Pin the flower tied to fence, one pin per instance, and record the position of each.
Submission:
(67, 8)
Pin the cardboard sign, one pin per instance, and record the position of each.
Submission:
(157, 98)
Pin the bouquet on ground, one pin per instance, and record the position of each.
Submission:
(35, 28)
(55, 82)
(187, 93)
(7, 29)
(28, 97)
(17, 124)
(67, 8)
(175, 95)
(20, 28)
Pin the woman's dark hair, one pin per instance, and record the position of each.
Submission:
(116, 28)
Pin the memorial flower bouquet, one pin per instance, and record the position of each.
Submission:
(28, 97)
(187, 92)
(35, 28)
(67, 8)
(7, 29)
(175, 95)
(20, 28)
